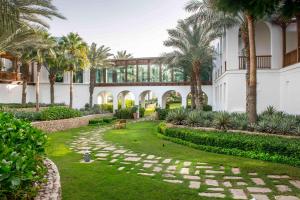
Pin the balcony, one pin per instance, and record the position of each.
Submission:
(9, 77)
(291, 58)
(262, 62)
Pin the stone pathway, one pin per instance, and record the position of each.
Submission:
(208, 180)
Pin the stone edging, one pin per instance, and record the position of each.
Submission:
(169, 125)
(64, 124)
(50, 190)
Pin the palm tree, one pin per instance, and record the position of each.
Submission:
(98, 58)
(75, 50)
(192, 44)
(123, 55)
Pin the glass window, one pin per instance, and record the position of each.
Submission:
(154, 72)
(99, 75)
(178, 75)
(143, 73)
(131, 73)
(166, 73)
(110, 75)
(120, 74)
(78, 77)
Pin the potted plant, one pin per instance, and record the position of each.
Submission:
(134, 111)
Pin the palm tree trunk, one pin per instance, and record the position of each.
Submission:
(71, 89)
(25, 81)
(245, 38)
(198, 89)
(92, 84)
(252, 114)
(193, 91)
(52, 82)
(37, 88)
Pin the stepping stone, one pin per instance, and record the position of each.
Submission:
(235, 171)
(150, 157)
(238, 194)
(194, 185)
(158, 158)
(115, 155)
(102, 155)
(210, 176)
(213, 172)
(204, 167)
(211, 182)
(232, 178)
(172, 168)
(241, 184)
(131, 154)
(296, 184)
(197, 172)
(125, 163)
(258, 190)
(184, 171)
(84, 152)
(260, 197)
(84, 148)
(146, 174)
(169, 176)
(137, 164)
(109, 148)
(177, 162)
(216, 189)
(143, 155)
(166, 161)
(283, 188)
(201, 163)
(147, 165)
(114, 160)
(150, 161)
(121, 168)
(120, 151)
(286, 198)
(252, 174)
(132, 159)
(173, 181)
(189, 177)
(278, 177)
(157, 169)
(227, 184)
(258, 181)
(187, 164)
(216, 195)
(82, 161)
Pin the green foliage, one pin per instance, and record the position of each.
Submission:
(269, 148)
(142, 112)
(106, 108)
(207, 108)
(54, 113)
(28, 116)
(126, 113)
(161, 113)
(128, 104)
(222, 120)
(177, 116)
(102, 121)
(28, 105)
(21, 158)
(200, 118)
(239, 121)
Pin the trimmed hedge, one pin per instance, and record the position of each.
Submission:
(102, 121)
(21, 158)
(54, 113)
(28, 105)
(268, 148)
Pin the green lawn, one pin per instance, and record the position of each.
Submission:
(100, 180)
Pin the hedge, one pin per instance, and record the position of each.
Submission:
(54, 113)
(268, 148)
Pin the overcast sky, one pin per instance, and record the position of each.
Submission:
(138, 26)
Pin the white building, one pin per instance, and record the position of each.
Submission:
(278, 82)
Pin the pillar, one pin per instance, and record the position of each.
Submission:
(123, 102)
(115, 103)
(183, 101)
(276, 46)
(232, 48)
(136, 104)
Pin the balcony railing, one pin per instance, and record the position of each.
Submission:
(262, 62)
(290, 58)
(9, 76)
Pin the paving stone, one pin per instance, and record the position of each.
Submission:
(102, 155)
(132, 159)
(232, 178)
(137, 164)
(286, 198)
(109, 148)
(172, 168)
(147, 165)
(187, 164)
(184, 171)
(252, 174)
(173, 181)
(216, 195)
(216, 189)
(194, 185)
(115, 155)
(258, 190)
(158, 158)
(82, 161)
(210, 176)
(131, 154)
(238, 194)
(227, 184)
(278, 176)
(197, 172)
(258, 181)
(283, 188)
(114, 160)
(121, 168)
(146, 174)
(143, 155)
(260, 197)
(120, 151)
(241, 183)
(177, 162)
(213, 172)
(125, 163)
(157, 169)
(222, 168)
(167, 161)
(211, 182)
(236, 170)
(150, 157)
(204, 167)
(201, 163)
(150, 161)
(169, 176)
(295, 183)
(189, 177)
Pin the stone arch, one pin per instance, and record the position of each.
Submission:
(104, 97)
(205, 99)
(166, 97)
(125, 99)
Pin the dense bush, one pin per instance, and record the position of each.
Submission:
(200, 118)
(126, 113)
(207, 108)
(142, 112)
(106, 108)
(21, 158)
(161, 113)
(101, 121)
(28, 105)
(269, 148)
(128, 103)
(28, 116)
(54, 113)
(177, 116)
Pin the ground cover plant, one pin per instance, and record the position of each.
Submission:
(269, 148)
(21, 158)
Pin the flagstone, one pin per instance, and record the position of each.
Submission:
(150, 157)
(258, 190)
(194, 185)
(238, 194)
(102, 155)
(147, 165)
(177, 162)
(132, 159)
(150, 161)
(241, 183)
(120, 151)
(213, 172)
(216, 189)
(227, 184)
(191, 177)
(169, 176)
(114, 160)
(295, 183)
(232, 178)
(131, 154)
(283, 188)
(184, 171)
(121, 168)
(211, 182)
(173, 181)
(187, 164)
(197, 172)
(166, 161)
(201, 163)
(260, 197)
(157, 169)
(252, 174)
(286, 198)
(204, 167)
(210, 176)
(115, 155)
(258, 181)
(172, 168)
(216, 195)
(278, 176)
(146, 174)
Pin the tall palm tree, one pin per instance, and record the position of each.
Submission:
(192, 44)
(98, 58)
(123, 55)
(75, 50)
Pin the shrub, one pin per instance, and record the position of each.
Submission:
(106, 108)
(177, 116)
(239, 121)
(29, 105)
(21, 158)
(101, 121)
(54, 113)
(269, 148)
(124, 113)
(207, 108)
(142, 112)
(28, 116)
(161, 113)
(222, 120)
(200, 118)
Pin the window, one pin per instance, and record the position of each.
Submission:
(120, 74)
(131, 73)
(166, 73)
(154, 73)
(143, 73)
(78, 76)
(99, 75)
(109, 75)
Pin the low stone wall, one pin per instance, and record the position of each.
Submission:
(64, 124)
(50, 190)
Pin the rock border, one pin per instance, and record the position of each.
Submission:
(50, 190)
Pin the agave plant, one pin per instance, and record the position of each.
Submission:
(177, 116)
(222, 121)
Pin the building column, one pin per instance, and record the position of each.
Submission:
(115, 103)
(183, 101)
(276, 46)
(136, 104)
(232, 48)
(123, 102)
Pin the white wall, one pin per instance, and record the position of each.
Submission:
(262, 39)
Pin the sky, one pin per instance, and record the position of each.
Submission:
(138, 26)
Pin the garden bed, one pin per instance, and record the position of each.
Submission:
(64, 124)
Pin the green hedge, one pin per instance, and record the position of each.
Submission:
(28, 105)
(21, 158)
(102, 121)
(268, 148)
(54, 113)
